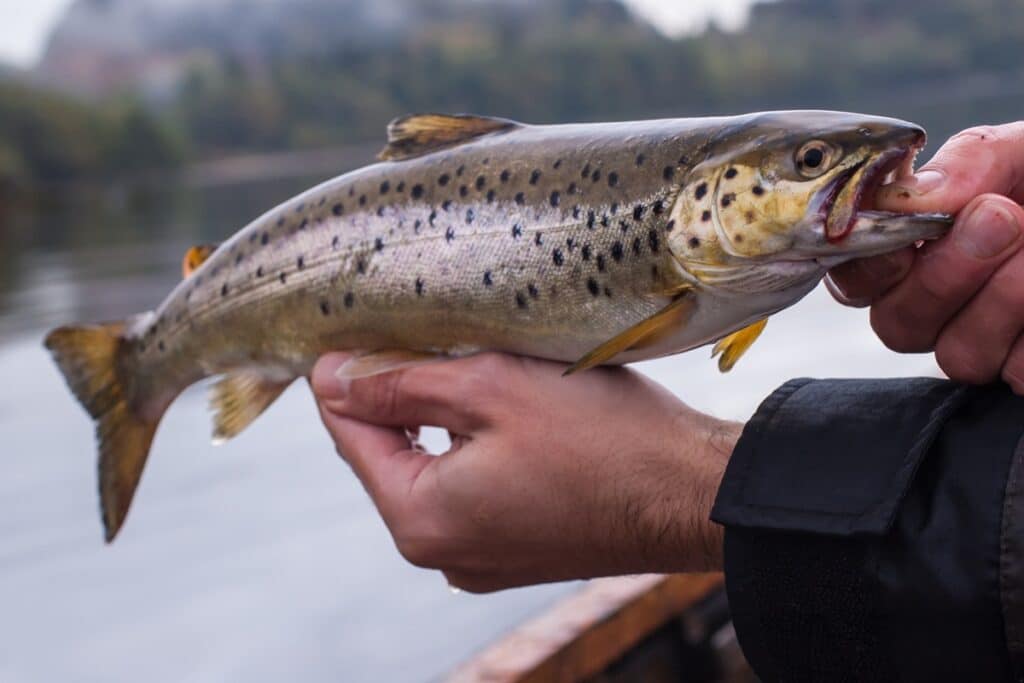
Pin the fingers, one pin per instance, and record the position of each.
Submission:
(985, 159)
(449, 394)
(948, 273)
(1013, 369)
(976, 344)
(859, 283)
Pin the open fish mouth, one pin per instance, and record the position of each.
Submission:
(848, 193)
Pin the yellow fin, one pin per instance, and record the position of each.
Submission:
(736, 344)
(648, 331)
(239, 398)
(91, 359)
(418, 134)
(195, 257)
(380, 362)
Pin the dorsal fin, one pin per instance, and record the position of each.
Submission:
(419, 134)
(195, 257)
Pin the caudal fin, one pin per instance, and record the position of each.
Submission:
(92, 360)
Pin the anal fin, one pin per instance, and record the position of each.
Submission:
(730, 349)
(240, 397)
(380, 362)
(647, 332)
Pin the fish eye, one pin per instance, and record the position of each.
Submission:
(814, 158)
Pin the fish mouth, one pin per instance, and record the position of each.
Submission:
(845, 195)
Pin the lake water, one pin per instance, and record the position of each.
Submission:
(262, 560)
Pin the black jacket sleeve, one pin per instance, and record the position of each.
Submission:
(875, 532)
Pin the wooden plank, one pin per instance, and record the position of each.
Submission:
(580, 636)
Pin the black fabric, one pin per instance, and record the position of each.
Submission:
(863, 530)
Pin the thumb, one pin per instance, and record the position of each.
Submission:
(981, 160)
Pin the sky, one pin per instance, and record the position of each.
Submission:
(24, 24)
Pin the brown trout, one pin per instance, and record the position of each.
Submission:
(589, 244)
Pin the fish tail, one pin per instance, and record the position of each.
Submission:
(95, 361)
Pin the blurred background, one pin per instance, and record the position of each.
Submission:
(130, 129)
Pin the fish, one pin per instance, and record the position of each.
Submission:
(589, 244)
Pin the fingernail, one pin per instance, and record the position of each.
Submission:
(988, 230)
(918, 184)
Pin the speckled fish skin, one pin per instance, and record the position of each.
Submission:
(538, 240)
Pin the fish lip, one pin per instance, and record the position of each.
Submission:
(872, 177)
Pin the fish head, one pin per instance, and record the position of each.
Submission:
(782, 196)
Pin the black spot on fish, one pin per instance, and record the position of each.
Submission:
(419, 287)
(592, 285)
(338, 209)
(362, 200)
(758, 190)
(385, 187)
(283, 278)
(432, 217)
(556, 198)
(572, 189)
(617, 251)
(300, 207)
(487, 279)
(591, 219)
(728, 199)
(446, 205)
(481, 183)
(259, 272)
(417, 225)
(653, 241)
(585, 252)
(253, 236)
(557, 165)
(557, 257)
(669, 172)
(532, 289)
(352, 191)
(693, 242)
(224, 289)
(160, 346)
(470, 215)
(670, 225)
(239, 258)
(706, 216)
(576, 211)
(638, 212)
(264, 238)
(600, 263)
(505, 175)
(570, 243)
(517, 231)
(520, 300)
(613, 179)
(636, 246)
(449, 234)
(459, 171)
(520, 198)
(615, 208)
(490, 196)
(349, 300)
(538, 239)
(417, 191)
(300, 263)
(280, 222)
(702, 190)
(624, 226)
(737, 238)
(596, 175)
(335, 242)
(535, 176)
(731, 173)
(684, 160)
(324, 308)
(304, 224)
(463, 191)
(640, 159)
(659, 207)
(605, 222)
(378, 244)
(401, 187)
(608, 292)
(585, 173)
(443, 179)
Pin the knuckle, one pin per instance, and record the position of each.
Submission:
(898, 332)
(382, 393)
(963, 362)
(419, 552)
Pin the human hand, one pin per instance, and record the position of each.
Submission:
(548, 477)
(961, 296)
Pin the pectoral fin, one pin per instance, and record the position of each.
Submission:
(380, 362)
(195, 257)
(645, 333)
(736, 344)
(239, 398)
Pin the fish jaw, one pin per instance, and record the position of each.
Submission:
(871, 233)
